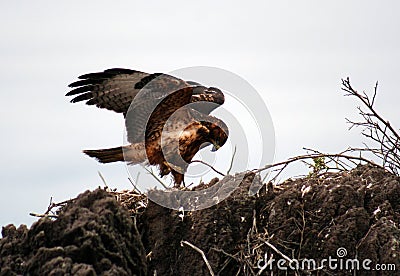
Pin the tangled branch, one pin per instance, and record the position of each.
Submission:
(335, 161)
(385, 137)
(53, 209)
(375, 128)
(135, 202)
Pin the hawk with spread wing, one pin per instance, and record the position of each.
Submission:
(167, 119)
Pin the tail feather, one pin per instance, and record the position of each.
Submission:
(106, 155)
(134, 154)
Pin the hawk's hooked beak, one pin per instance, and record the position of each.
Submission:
(215, 147)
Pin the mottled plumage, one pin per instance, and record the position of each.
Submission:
(155, 105)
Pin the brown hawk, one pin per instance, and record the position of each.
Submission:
(167, 119)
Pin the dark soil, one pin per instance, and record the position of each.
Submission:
(304, 218)
(93, 235)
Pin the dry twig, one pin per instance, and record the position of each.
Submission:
(205, 163)
(50, 212)
(377, 129)
(288, 259)
(232, 159)
(202, 255)
(337, 158)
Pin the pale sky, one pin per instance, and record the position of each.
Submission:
(294, 53)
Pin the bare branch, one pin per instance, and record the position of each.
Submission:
(205, 163)
(313, 156)
(233, 157)
(102, 179)
(376, 128)
(288, 259)
(43, 215)
(150, 171)
(202, 255)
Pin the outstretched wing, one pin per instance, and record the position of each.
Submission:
(138, 95)
(113, 89)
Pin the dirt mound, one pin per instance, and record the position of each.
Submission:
(347, 215)
(92, 235)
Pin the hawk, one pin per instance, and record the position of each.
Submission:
(166, 118)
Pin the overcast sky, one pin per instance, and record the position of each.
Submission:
(294, 53)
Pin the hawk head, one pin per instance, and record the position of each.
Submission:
(218, 133)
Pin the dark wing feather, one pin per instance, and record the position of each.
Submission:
(148, 114)
(146, 100)
(205, 100)
(113, 89)
(160, 94)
